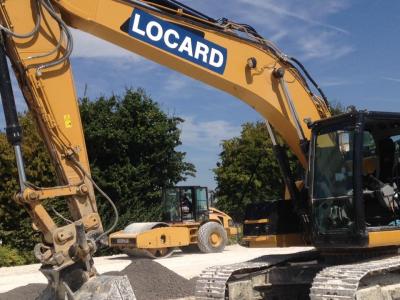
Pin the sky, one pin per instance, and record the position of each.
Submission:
(351, 48)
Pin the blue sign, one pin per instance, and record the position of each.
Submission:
(177, 40)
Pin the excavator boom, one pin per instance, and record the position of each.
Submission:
(208, 51)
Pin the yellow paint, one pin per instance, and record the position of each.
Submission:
(259, 221)
(215, 239)
(384, 238)
(216, 215)
(232, 231)
(299, 184)
(164, 237)
(279, 240)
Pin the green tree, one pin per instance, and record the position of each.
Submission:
(337, 108)
(10, 257)
(248, 171)
(15, 225)
(132, 149)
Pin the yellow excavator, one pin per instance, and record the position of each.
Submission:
(348, 208)
(189, 223)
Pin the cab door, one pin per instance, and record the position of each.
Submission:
(201, 204)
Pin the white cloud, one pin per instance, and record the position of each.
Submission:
(391, 79)
(303, 28)
(86, 45)
(337, 82)
(322, 45)
(176, 83)
(276, 37)
(207, 135)
(303, 23)
(309, 16)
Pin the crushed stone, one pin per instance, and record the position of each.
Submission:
(149, 280)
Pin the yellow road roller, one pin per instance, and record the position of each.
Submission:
(189, 223)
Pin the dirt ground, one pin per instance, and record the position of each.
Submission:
(169, 278)
(28, 292)
(149, 280)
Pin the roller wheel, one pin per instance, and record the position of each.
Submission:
(190, 249)
(212, 238)
(149, 253)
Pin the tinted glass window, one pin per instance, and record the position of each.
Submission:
(201, 196)
(333, 166)
(172, 211)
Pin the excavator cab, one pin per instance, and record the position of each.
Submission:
(185, 203)
(354, 180)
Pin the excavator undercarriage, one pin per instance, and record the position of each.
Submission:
(304, 275)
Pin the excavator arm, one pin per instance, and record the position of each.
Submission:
(228, 56)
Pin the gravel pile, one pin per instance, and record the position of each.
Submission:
(28, 292)
(150, 281)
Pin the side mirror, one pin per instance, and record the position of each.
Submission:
(344, 142)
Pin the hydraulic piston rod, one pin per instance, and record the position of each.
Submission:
(13, 129)
(281, 157)
(279, 74)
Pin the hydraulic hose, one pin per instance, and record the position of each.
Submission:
(68, 34)
(29, 34)
(311, 79)
(79, 165)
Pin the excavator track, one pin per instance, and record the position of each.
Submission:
(212, 282)
(338, 282)
(342, 282)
